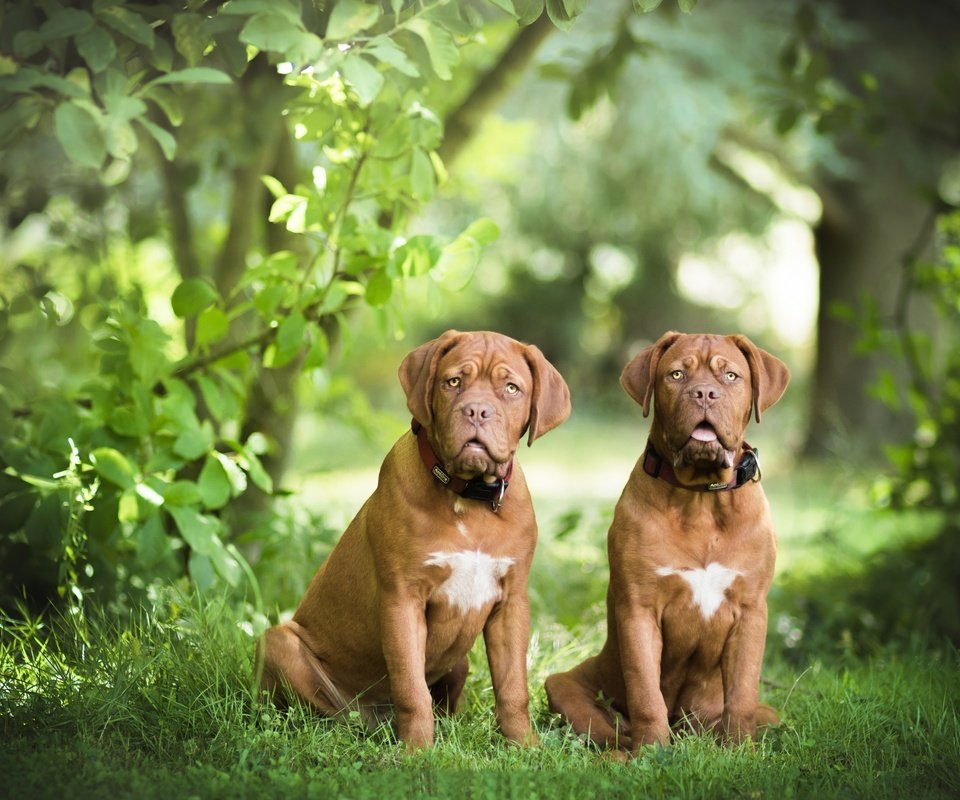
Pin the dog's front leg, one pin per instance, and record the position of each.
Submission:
(506, 635)
(403, 628)
(641, 647)
(740, 668)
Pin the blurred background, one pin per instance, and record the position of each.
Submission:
(198, 365)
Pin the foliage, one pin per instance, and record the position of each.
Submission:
(164, 706)
(140, 350)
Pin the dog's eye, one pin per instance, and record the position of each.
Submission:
(731, 376)
(677, 374)
(512, 388)
(454, 382)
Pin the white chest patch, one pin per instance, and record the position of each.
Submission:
(474, 577)
(707, 586)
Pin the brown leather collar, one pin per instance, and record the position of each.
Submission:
(747, 471)
(473, 489)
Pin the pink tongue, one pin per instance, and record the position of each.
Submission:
(704, 433)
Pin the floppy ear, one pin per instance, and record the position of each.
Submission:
(768, 375)
(550, 403)
(640, 375)
(417, 371)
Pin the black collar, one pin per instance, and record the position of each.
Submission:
(473, 489)
(747, 471)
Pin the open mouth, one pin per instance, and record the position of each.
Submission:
(704, 432)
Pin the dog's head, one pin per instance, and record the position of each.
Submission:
(703, 387)
(476, 394)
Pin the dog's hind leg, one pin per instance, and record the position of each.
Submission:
(286, 665)
(580, 705)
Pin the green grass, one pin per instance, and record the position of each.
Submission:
(163, 706)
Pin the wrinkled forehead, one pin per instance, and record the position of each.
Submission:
(693, 351)
(485, 354)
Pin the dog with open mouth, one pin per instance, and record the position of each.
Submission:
(691, 549)
(438, 554)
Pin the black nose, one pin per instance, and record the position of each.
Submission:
(477, 413)
(704, 393)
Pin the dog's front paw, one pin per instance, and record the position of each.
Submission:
(653, 733)
(415, 731)
(520, 733)
(735, 729)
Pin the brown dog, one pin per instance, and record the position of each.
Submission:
(438, 553)
(691, 551)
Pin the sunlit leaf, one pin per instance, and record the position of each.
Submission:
(80, 134)
(349, 17)
(192, 296)
(528, 10)
(379, 289)
(365, 78)
(131, 25)
(646, 6)
(112, 465)
(440, 46)
(97, 48)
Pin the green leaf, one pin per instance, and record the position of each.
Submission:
(440, 46)
(506, 5)
(365, 78)
(21, 116)
(387, 51)
(379, 289)
(200, 531)
(151, 541)
(528, 10)
(80, 134)
(213, 396)
(249, 462)
(686, 6)
(645, 6)
(131, 25)
(182, 493)
(213, 484)
(268, 298)
(168, 101)
(194, 442)
(66, 22)
(212, 325)
(288, 341)
(191, 75)
(417, 256)
(285, 205)
(421, 175)
(483, 231)
(557, 11)
(193, 296)
(236, 476)
(120, 137)
(319, 350)
(271, 32)
(201, 571)
(27, 44)
(163, 137)
(349, 17)
(190, 37)
(112, 466)
(127, 422)
(96, 47)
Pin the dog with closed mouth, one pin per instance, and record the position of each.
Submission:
(691, 550)
(438, 554)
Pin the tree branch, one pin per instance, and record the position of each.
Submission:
(462, 124)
